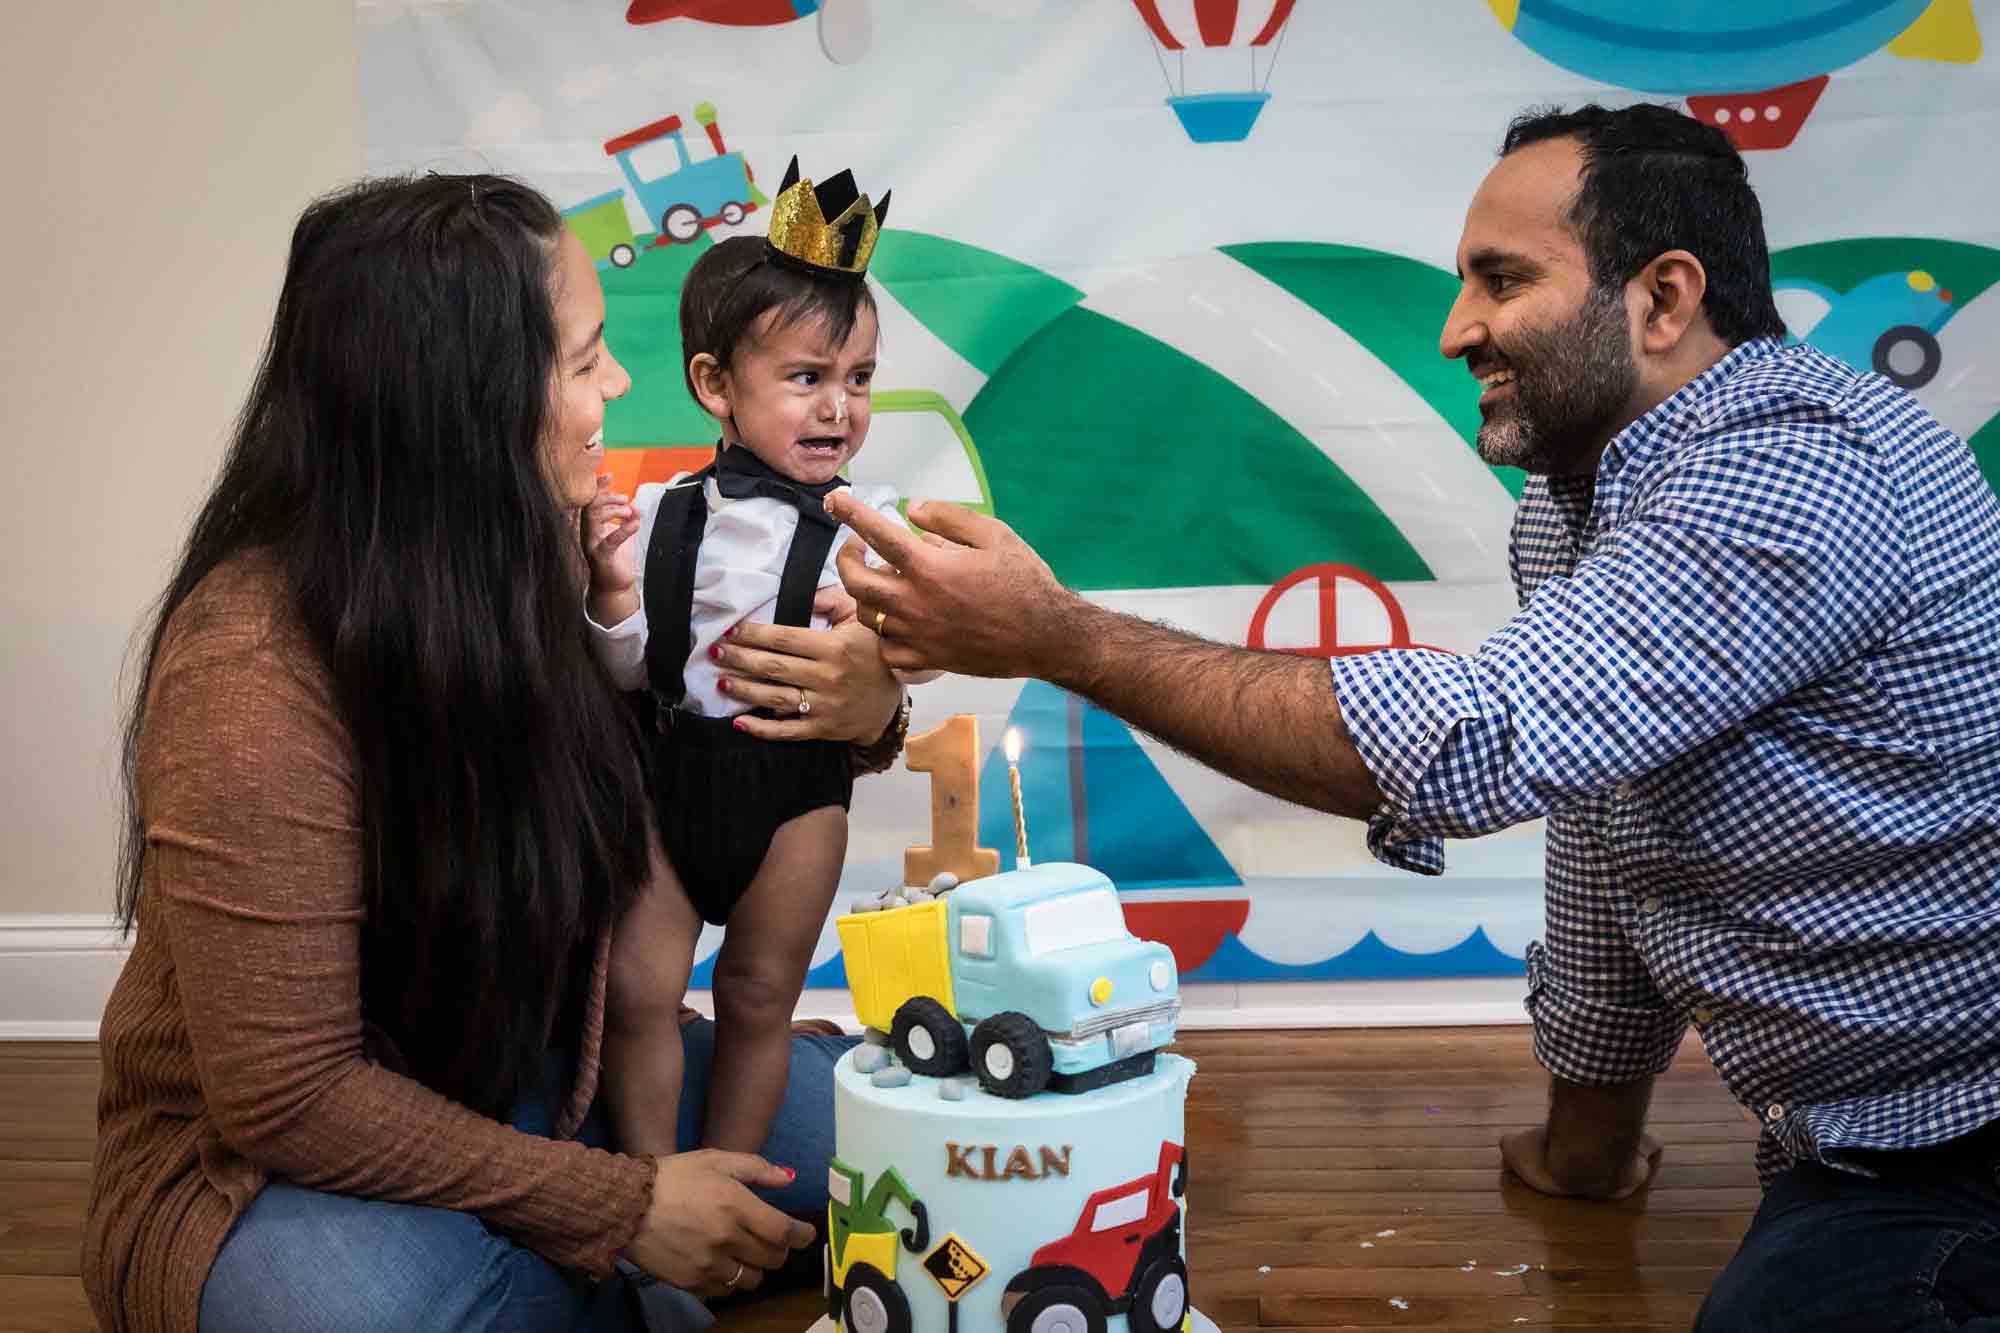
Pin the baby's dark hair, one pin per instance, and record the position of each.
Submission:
(731, 287)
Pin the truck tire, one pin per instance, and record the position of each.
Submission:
(1160, 1301)
(928, 1039)
(871, 1303)
(1058, 1309)
(1011, 1056)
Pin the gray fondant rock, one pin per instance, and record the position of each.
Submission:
(895, 1076)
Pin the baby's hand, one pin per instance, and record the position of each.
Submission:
(833, 603)
(838, 607)
(608, 524)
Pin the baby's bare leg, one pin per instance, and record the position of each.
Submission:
(652, 951)
(760, 971)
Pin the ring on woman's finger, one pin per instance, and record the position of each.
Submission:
(880, 616)
(739, 1275)
(805, 706)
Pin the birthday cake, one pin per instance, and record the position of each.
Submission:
(1009, 1144)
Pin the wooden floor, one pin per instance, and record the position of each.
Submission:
(1338, 1180)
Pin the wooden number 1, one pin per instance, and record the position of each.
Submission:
(950, 754)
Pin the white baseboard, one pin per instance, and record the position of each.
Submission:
(56, 972)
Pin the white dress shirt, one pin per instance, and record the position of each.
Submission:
(737, 570)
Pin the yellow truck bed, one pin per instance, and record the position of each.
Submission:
(893, 955)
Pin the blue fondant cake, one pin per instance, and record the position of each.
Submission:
(1030, 1176)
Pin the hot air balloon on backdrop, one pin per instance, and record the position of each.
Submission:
(1250, 25)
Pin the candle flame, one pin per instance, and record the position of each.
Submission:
(1013, 745)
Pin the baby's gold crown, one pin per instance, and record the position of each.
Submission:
(828, 229)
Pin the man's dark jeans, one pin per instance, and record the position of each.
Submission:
(1916, 1247)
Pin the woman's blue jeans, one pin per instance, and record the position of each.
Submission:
(304, 1260)
(1917, 1247)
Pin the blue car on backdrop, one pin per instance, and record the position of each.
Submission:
(1887, 324)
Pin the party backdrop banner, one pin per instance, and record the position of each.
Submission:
(1163, 289)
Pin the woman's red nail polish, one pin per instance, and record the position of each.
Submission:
(738, 724)
(715, 651)
(722, 686)
(729, 633)
(790, 1175)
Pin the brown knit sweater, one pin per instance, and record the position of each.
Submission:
(232, 1044)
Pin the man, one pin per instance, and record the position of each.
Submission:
(1754, 686)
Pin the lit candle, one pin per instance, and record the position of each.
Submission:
(950, 754)
(1013, 747)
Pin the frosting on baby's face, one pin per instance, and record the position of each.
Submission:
(797, 401)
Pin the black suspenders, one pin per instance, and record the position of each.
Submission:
(669, 590)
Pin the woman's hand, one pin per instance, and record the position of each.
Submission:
(850, 695)
(705, 1232)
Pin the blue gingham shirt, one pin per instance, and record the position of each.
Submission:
(1754, 686)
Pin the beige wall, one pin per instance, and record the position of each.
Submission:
(152, 157)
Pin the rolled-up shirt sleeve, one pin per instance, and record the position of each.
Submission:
(1403, 708)
(1599, 1018)
(1754, 564)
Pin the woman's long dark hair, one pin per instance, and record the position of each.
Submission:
(390, 459)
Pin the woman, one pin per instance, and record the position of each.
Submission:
(384, 812)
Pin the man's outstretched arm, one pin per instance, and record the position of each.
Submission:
(977, 600)
(1269, 720)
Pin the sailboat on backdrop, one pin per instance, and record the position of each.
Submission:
(1090, 795)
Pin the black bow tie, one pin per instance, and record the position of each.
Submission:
(740, 474)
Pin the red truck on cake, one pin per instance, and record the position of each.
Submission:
(1124, 1257)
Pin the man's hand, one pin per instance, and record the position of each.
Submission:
(1525, 1153)
(965, 595)
(1594, 1145)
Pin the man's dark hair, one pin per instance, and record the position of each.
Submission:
(1655, 180)
(731, 287)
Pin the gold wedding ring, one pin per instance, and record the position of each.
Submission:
(880, 616)
(739, 1275)
(804, 707)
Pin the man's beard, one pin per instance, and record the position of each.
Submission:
(1572, 382)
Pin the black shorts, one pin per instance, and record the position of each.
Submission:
(720, 795)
